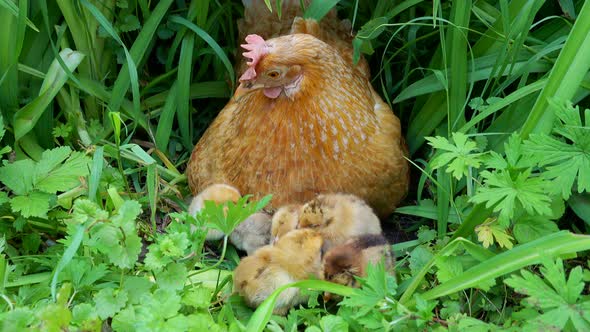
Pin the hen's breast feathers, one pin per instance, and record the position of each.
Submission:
(337, 138)
(335, 135)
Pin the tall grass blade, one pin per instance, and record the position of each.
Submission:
(262, 314)
(128, 73)
(166, 119)
(152, 190)
(9, 100)
(456, 57)
(568, 72)
(26, 118)
(183, 89)
(319, 8)
(210, 41)
(95, 173)
(14, 10)
(553, 245)
(66, 258)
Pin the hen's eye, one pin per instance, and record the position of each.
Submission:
(273, 74)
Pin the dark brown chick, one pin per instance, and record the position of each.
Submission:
(349, 260)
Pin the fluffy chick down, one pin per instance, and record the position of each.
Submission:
(338, 217)
(296, 256)
(252, 233)
(284, 220)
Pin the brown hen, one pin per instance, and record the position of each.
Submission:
(303, 121)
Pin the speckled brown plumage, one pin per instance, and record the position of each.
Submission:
(333, 134)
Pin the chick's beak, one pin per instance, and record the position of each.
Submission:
(246, 87)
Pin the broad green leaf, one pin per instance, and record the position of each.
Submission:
(580, 204)
(34, 204)
(506, 194)
(53, 176)
(528, 229)
(19, 176)
(458, 157)
(565, 160)
(109, 301)
(491, 233)
(172, 277)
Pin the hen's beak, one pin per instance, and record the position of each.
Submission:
(246, 87)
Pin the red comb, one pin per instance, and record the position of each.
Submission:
(257, 48)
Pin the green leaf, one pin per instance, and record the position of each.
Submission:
(173, 277)
(137, 287)
(264, 311)
(53, 176)
(565, 77)
(448, 267)
(227, 216)
(489, 233)
(419, 257)
(18, 176)
(507, 195)
(580, 204)
(554, 295)
(565, 162)
(458, 158)
(66, 258)
(109, 301)
(118, 239)
(331, 323)
(35, 204)
(86, 317)
(210, 41)
(198, 297)
(130, 23)
(531, 228)
(58, 169)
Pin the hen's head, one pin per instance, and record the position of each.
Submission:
(278, 65)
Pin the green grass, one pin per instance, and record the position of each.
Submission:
(101, 103)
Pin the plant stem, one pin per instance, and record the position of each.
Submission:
(221, 258)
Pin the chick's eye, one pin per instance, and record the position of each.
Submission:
(273, 74)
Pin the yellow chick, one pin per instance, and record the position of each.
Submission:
(343, 262)
(284, 220)
(218, 193)
(252, 233)
(339, 217)
(296, 256)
